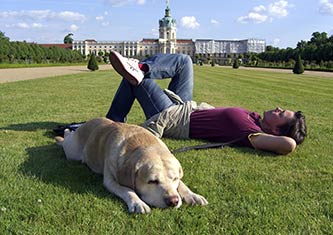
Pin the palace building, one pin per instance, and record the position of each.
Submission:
(219, 50)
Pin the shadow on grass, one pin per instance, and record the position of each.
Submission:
(48, 164)
(31, 126)
(49, 126)
(34, 126)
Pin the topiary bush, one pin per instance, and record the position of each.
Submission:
(299, 67)
(92, 64)
(235, 65)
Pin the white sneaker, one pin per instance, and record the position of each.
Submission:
(127, 67)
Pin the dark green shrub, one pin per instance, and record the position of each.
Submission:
(235, 65)
(92, 64)
(299, 67)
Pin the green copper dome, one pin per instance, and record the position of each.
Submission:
(167, 20)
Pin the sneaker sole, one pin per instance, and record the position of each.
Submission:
(118, 66)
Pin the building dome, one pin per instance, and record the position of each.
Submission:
(167, 21)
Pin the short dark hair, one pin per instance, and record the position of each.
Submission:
(296, 128)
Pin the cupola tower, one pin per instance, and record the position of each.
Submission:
(167, 32)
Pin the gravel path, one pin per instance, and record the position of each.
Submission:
(17, 74)
(12, 75)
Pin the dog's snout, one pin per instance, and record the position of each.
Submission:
(172, 200)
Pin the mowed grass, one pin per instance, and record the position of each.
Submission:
(249, 192)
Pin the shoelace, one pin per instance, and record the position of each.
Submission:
(133, 60)
(133, 64)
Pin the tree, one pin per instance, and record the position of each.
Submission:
(68, 39)
(235, 65)
(3, 36)
(319, 38)
(299, 67)
(100, 53)
(197, 58)
(4, 47)
(18, 52)
(92, 64)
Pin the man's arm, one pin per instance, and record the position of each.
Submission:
(272, 143)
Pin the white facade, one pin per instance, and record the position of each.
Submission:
(210, 46)
(168, 43)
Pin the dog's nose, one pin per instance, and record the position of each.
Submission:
(172, 201)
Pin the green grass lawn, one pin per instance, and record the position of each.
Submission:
(249, 192)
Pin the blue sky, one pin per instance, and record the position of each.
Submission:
(281, 23)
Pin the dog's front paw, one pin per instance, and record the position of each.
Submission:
(195, 199)
(138, 207)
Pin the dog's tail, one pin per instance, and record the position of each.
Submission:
(60, 140)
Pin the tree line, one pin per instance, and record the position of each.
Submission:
(317, 53)
(23, 52)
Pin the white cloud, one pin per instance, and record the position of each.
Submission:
(214, 21)
(326, 7)
(141, 2)
(189, 22)
(37, 25)
(259, 8)
(33, 14)
(155, 32)
(260, 14)
(253, 17)
(118, 3)
(101, 19)
(23, 25)
(43, 15)
(279, 8)
(73, 28)
(71, 16)
(106, 23)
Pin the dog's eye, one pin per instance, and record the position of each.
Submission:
(153, 182)
(175, 179)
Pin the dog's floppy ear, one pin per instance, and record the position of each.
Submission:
(181, 173)
(126, 174)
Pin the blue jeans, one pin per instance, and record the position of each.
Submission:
(151, 97)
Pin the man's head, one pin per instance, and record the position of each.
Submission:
(286, 123)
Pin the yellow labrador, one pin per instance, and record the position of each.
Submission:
(136, 165)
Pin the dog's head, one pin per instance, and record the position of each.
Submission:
(155, 178)
(69, 145)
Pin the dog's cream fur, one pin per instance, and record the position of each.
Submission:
(136, 165)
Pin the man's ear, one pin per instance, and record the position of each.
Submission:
(270, 129)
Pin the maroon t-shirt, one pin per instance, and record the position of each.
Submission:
(224, 125)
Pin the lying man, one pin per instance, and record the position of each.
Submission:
(172, 113)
